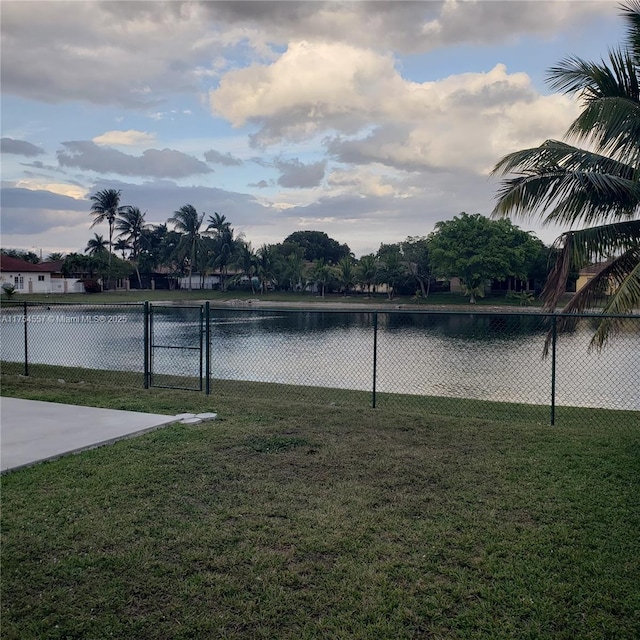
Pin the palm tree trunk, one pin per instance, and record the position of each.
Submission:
(110, 246)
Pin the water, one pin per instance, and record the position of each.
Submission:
(497, 357)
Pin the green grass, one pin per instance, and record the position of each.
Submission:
(217, 297)
(311, 520)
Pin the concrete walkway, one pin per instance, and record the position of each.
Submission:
(32, 431)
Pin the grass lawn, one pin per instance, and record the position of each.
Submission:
(217, 297)
(308, 520)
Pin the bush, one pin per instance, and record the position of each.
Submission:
(9, 290)
(92, 286)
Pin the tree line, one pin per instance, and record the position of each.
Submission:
(470, 247)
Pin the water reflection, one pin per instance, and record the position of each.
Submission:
(489, 357)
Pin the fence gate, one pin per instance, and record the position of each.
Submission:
(177, 346)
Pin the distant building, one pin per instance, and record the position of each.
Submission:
(588, 273)
(45, 277)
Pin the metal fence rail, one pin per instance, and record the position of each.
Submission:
(459, 363)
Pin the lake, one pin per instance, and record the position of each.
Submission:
(466, 355)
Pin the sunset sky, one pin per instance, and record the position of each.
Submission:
(370, 121)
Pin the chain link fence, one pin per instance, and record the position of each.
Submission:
(465, 364)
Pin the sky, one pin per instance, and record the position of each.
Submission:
(368, 120)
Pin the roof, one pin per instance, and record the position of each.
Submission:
(592, 269)
(7, 263)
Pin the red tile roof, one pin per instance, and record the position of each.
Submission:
(7, 263)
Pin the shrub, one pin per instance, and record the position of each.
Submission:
(9, 290)
(92, 286)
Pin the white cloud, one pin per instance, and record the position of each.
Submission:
(60, 188)
(467, 120)
(129, 138)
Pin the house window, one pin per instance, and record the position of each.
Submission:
(40, 278)
(18, 282)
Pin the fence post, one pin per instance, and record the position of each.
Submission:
(207, 346)
(146, 344)
(375, 356)
(26, 350)
(554, 337)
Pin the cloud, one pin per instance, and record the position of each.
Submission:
(19, 147)
(295, 174)
(408, 27)
(225, 159)
(103, 53)
(129, 138)
(263, 184)
(34, 211)
(16, 198)
(311, 87)
(466, 120)
(118, 53)
(165, 163)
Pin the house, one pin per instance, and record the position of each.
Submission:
(587, 274)
(45, 277)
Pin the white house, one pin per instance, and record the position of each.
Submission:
(45, 277)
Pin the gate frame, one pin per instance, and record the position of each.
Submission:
(150, 346)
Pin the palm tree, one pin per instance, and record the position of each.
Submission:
(106, 206)
(392, 269)
(131, 224)
(321, 273)
(346, 273)
(368, 271)
(55, 256)
(226, 245)
(218, 223)
(597, 189)
(291, 269)
(123, 246)
(96, 245)
(188, 221)
(247, 261)
(265, 266)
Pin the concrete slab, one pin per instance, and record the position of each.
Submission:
(32, 431)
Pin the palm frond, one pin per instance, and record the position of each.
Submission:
(631, 13)
(577, 248)
(625, 279)
(561, 183)
(613, 125)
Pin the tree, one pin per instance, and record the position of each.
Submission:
(130, 224)
(321, 273)
(225, 246)
(27, 256)
(96, 245)
(392, 269)
(318, 245)
(106, 206)
(218, 223)
(417, 259)
(346, 273)
(247, 261)
(123, 246)
(265, 266)
(188, 221)
(596, 189)
(292, 269)
(56, 256)
(477, 250)
(367, 272)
